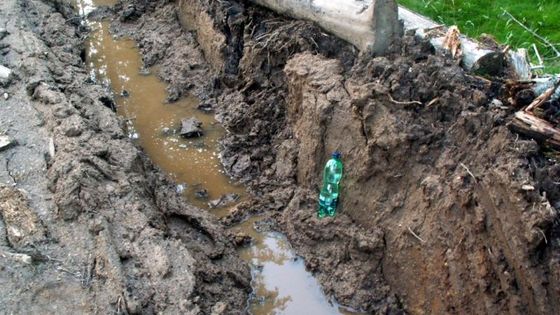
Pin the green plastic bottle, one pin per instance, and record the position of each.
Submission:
(328, 197)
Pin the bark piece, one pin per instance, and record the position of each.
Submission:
(536, 128)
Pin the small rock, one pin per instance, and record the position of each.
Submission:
(224, 200)
(200, 145)
(241, 165)
(125, 93)
(144, 71)
(73, 131)
(181, 188)
(3, 32)
(6, 96)
(528, 187)
(201, 194)
(6, 142)
(207, 106)
(166, 131)
(496, 103)
(5, 75)
(129, 14)
(219, 308)
(479, 98)
(241, 239)
(51, 148)
(191, 127)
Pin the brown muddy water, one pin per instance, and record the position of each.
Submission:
(281, 285)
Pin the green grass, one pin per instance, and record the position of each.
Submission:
(475, 17)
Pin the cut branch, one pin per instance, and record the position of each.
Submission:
(539, 129)
(541, 99)
(415, 235)
(403, 102)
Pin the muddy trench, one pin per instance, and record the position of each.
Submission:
(107, 207)
(280, 283)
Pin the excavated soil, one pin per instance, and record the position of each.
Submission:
(443, 209)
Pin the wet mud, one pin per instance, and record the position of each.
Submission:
(89, 225)
(434, 217)
(140, 98)
(443, 209)
(280, 282)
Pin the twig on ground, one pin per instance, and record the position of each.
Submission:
(415, 235)
(432, 102)
(541, 99)
(544, 236)
(401, 102)
(24, 258)
(468, 171)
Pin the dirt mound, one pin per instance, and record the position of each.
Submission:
(97, 227)
(443, 184)
(443, 209)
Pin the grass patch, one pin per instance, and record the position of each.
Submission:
(475, 17)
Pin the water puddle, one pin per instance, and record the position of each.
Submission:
(281, 283)
(140, 98)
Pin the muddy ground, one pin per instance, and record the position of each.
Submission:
(88, 224)
(443, 209)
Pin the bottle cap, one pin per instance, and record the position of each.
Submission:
(336, 154)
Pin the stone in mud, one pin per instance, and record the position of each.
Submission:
(224, 200)
(201, 194)
(5, 75)
(6, 142)
(191, 128)
(166, 131)
(3, 32)
(144, 71)
(22, 223)
(207, 106)
(241, 239)
(219, 308)
(180, 188)
(129, 14)
(242, 164)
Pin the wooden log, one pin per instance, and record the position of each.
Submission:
(519, 61)
(368, 24)
(536, 128)
(475, 56)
